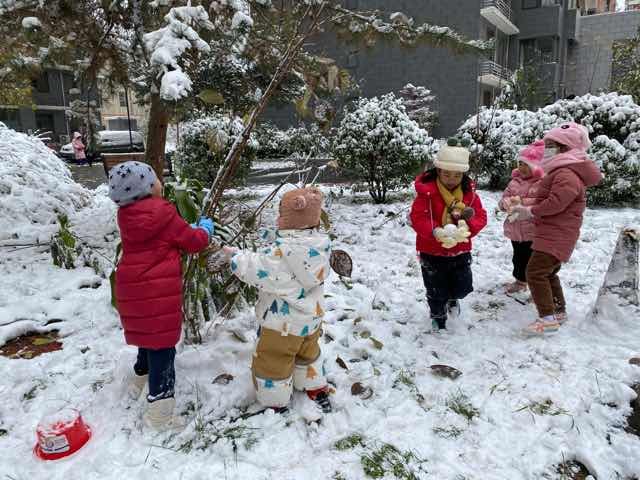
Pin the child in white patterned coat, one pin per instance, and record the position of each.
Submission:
(289, 276)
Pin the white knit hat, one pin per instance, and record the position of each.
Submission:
(455, 159)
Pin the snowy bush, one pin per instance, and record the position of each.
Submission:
(35, 187)
(293, 142)
(621, 182)
(204, 143)
(418, 102)
(380, 145)
(498, 134)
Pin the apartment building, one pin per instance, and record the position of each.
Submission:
(52, 92)
(525, 31)
(594, 7)
(120, 110)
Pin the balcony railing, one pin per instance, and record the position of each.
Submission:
(489, 68)
(499, 13)
(503, 5)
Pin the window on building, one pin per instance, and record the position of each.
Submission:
(537, 50)
(41, 84)
(122, 98)
(546, 48)
(526, 4)
(11, 118)
(44, 122)
(487, 98)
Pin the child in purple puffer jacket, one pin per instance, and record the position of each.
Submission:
(520, 232)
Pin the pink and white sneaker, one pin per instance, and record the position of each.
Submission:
(561, 317)
(541, 327)
(515, 287)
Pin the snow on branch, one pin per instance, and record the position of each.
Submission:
(169, 43)
(404, 29)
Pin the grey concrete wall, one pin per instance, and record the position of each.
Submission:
(388, 67)
(589, 64)
(538, 22)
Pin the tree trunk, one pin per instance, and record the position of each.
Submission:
(157, 135)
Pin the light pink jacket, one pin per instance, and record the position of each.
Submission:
(520, 231)
(78, 148)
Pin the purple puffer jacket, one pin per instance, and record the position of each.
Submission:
(520, 231)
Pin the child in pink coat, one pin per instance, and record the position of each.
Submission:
(518, 192)
(560, 202)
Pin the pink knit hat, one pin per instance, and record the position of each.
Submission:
(532, 155)
(300, 209)
(572, 135)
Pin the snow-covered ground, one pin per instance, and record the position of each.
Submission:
(519, 408)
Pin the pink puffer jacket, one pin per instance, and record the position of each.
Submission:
(561, 202)
(520, 231)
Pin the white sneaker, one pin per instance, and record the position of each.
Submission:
(541, 327)
(137, 385)
(159, 415)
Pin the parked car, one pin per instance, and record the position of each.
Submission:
(108, 141)
(66, 153)
(118, 141)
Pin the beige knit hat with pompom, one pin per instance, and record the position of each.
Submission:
(300, 209)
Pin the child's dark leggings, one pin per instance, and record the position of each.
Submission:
(521, 255)
(158, 364)
(445, 278)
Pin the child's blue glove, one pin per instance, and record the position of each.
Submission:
(205, 224)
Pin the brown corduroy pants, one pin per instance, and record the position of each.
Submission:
(544, 283)
(276, 355)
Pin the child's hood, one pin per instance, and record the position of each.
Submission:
(145, 219)
(579, 163)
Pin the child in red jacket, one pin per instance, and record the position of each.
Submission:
(446, 214)
(149, 282)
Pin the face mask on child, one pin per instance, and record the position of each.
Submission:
(549, 153)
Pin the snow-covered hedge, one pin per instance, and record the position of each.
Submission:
(35, 186)
(614, 124)
(380, 145)
(205, 142)
(293, 142)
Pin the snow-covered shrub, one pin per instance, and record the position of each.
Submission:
(496, 137)
(498, 134)
(418, 102)
(35, 187)
(621, 171)
(293, 142)
(380, 145)
(205, 142)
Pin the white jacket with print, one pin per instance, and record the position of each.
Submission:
(289, 275)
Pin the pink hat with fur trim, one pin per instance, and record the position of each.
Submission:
(532, 155)
(572, 135)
